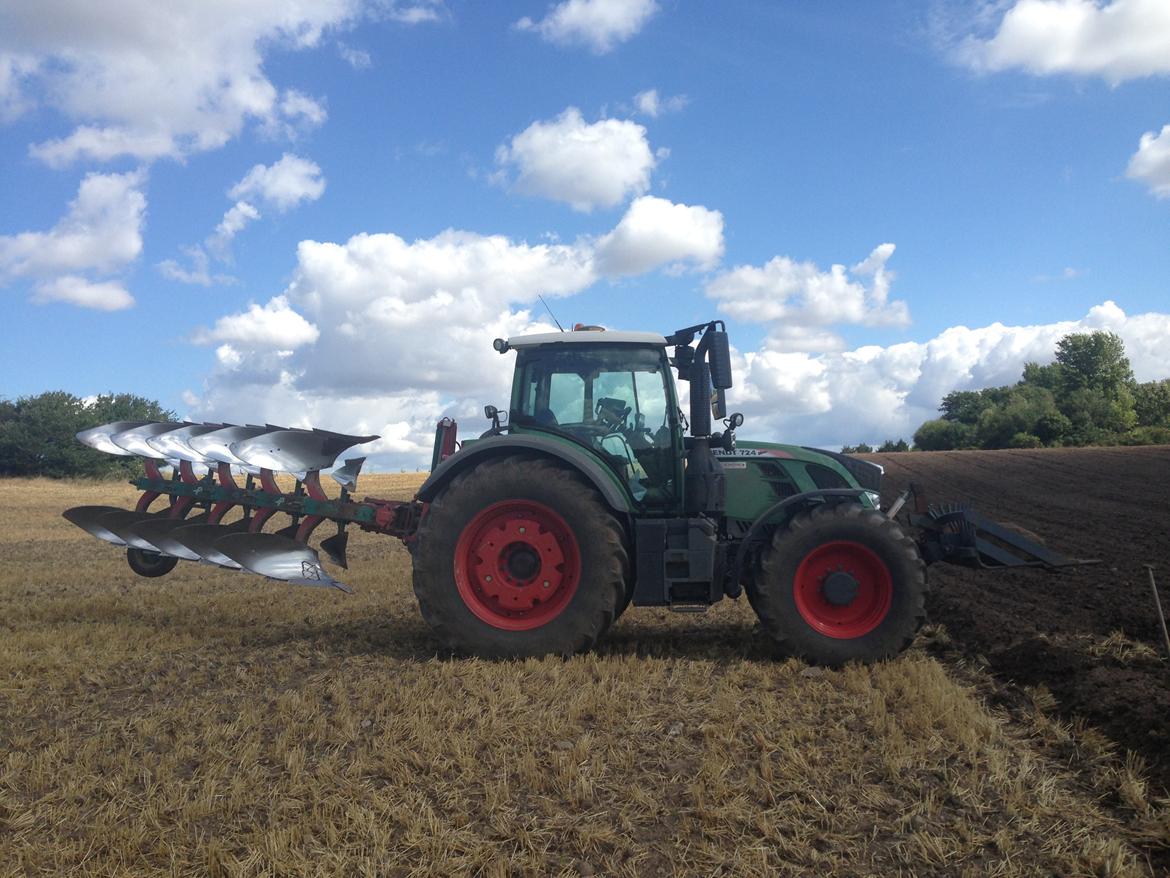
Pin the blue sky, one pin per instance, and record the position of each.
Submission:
(321, 213)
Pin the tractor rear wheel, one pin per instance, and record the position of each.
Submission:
(841, 583)
(519, 557)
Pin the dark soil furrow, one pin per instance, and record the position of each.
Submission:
(1052, 629)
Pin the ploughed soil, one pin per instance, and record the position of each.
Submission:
(1090, 635)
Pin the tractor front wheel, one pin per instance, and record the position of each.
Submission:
(841, 583)
(519, 557)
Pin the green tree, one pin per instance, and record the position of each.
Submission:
(37, 433)
(1096, 416)
(891, 445)
(1050, 377)
(1022, 411)
(1151, 403)
(1094, 360)
(1087, 396)
(942, 435)
(965, 406)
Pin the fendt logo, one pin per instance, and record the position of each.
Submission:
(754, 452)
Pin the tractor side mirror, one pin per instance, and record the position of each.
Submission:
(719, 404)
(493, 414)
(719, 359)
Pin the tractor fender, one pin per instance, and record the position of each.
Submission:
(596, 473)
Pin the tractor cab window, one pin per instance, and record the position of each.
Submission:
(611, 398)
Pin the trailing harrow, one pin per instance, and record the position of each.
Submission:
(201, 489)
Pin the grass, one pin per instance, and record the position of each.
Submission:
(211, 723)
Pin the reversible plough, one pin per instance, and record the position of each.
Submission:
(202, 489)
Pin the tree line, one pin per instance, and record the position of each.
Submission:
(1086, 396)
(37, 434)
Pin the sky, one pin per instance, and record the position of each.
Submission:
(321, 212)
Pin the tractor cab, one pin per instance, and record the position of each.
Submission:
(612, 394)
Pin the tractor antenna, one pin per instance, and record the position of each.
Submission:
(550, 313)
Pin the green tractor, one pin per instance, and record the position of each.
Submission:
(592, 492)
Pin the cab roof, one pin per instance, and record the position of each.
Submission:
(583, 336)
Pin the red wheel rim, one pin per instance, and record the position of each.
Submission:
(843, 589)
(517, 565)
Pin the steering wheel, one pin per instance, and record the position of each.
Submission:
(612, 413)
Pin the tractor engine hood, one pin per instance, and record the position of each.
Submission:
(868, 475)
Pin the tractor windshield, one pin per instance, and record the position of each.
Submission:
(612, 398)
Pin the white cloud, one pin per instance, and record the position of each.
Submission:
(298, 107)
(656, 232)
(874, 393)
(235, 219)
(417, 12)
(599, 24)
(101, 232)
(790, 294)
(283, 184)
(275, 326)
(14, 70)
(358, 59)
(149, 79)
(585, 165)
(1151, 163)
(199, 272)
(101, 296)
(401, 331)
(1118, 40)
(650, 104)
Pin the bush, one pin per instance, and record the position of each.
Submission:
(1147, 436)
(941, 435)
(860, 448)
(1025, 440)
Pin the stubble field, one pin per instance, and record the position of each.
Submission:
(214, 723)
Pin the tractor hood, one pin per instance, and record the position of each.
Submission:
(865, 474)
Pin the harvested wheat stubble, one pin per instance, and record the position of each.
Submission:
(214, 723)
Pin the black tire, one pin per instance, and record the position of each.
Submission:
(591, 532)
(797, 606)
(150, 563)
